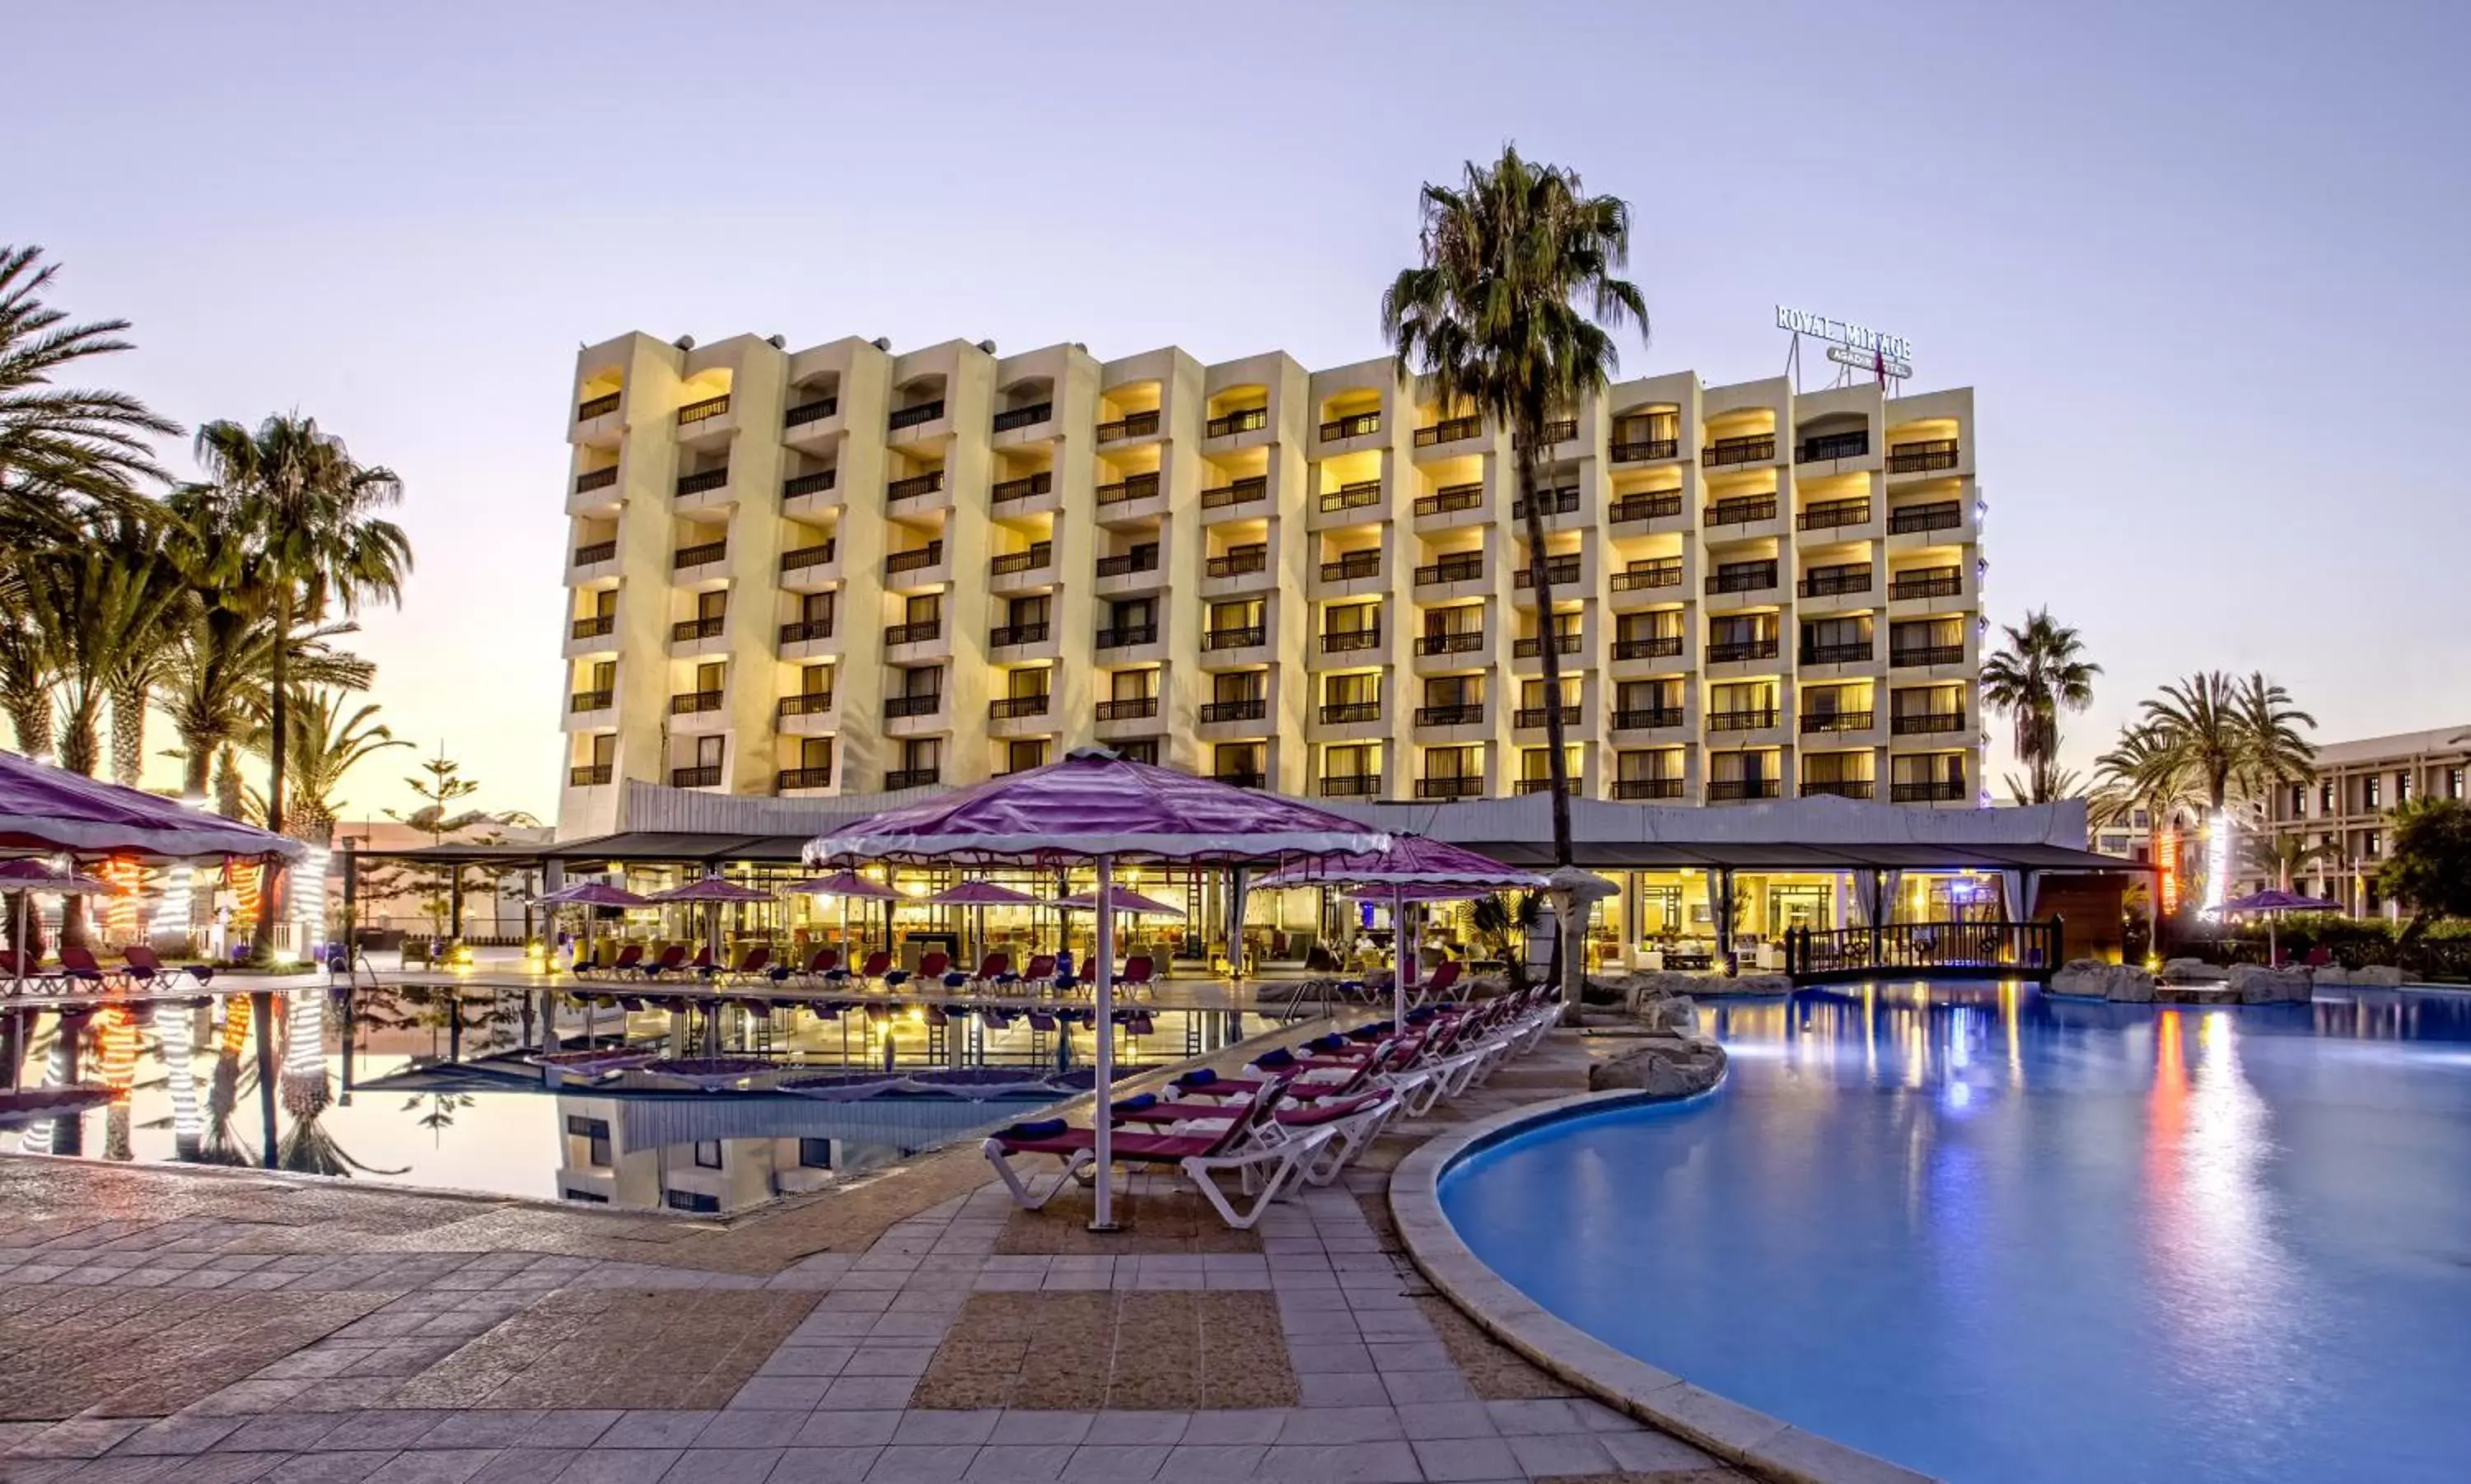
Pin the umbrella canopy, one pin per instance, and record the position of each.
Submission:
(1415, 867)
(591, 894)
(843, 884)
(35, 875)
(1123, 899)
(43, 808)
(2270, 899)
(710, 888)
(1090, 805)
(980, 894)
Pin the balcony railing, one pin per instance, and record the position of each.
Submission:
(806, 704)
(1560, 430)
(1139, 487)
(806, 412)
(1649, 719)
(1465, 714)
(1451, 498)
(1350, 785)
(1244, 420)
(1754, 449)
(596, 407)
(1647, 787)
(913, 416)
(1458, 788)
(1038, 555)
(1030, 416)
(1926, 457)
(914, 487)
(1933, 582)
(1449, 430)
(1353, 567)
(1353, 426)
(1136, 709)
(1835, 445)
(1836, 720)
(1641, 576)
(806, 630)
(1465, 640)
(1143, 557)
(1832, 515)
(1837, 653)
(1922, 654)
(1743, 577)
(1457, 567)
(1944, 515)
(598, 626)
(789, 778)
(1528, 717)
(701, 556)
(1252, 708)
(1655, 646)
(1740, 650)
(1635, 449)
(593, 553)
(798, 558)
(699, 484)
(1724, 789)
(1243, 491)
(1028, 488)
(596, 479)
(592, 701)
(1136, 425)
(688, 703)
(924, 705)
(1349, 497)
(1741, 720)
(1550, 501)
(1532, 785)
(1241, 778)
(1925, 723)
(814, 483)
(912, 778)
(707, 776)
(1009, 707)
(1350, 712)
(1238, 561)
(1836, 581)
(1742, 510)
(1935, 791)
(1349, 641)
(1559, 572)
(1126, 635)
(590, 775)
(919, 631)
(1008, 636)
(1839, 787)
(916, 559)
(1649, 505)
(1533, 648)
(704, 411)
(688, 630)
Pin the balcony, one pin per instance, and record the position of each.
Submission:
(1139, 709)
(590, 775)
(582, 701)
(1242, 778)
(1918, 656)
(1653, 718)
(916, 486)
(1643, 575)
(1560, 430)
(1137, 425)
(703, 554)
(1449, 430)
(1742, 651)
(798, 558)
(1931, 455)
(806, 630)
(1835, 445)
(1028, 488)
(814, 483)
(594, 553)
(1459, 788)
(704, 411)
(1925, 723)
(1139, 486)
(1012, 707)
(1932, 583)
(806, 412)
(1215, 639)
(900, 778)
(1465, 713)
(1655, 646)
(1013, 419)
(1935, 791)
(1354, 567)
(913, 417)
(1238, 561)
(1549, 503)
(690, 631)
(1350, 712)
(1012, 636)
(1741, 720)
(918, 633)
(1243, 491)
(1039, 556)
(1354, 496)
(1560, 571)
(1252, 708)
(591, 480)
(1652, 506)
(1536, 784)
(705, 482)
(1837, 722)
(1834, 514)
(790, 780)
(1127, 636)
(1836, 581)
(1450, 499)
(1837, 788)
(1350, 785)
(596, 407)
(926, 704)
(1748, 577)
(598, 626)
(1757, 448)
(1726, 791)
(1533, 649)
(707, 776)
(916, 559)
(1528, 717)
(806, 704)
(1639, 450)
(1837, 653)
(1123, 564)
(1742, 510)
(1457, 567)
(1350, 640)
(1941, 515)
(1466, 641)
(689, 703)
(1354, 426)
(1647, 787)
(1244, 420)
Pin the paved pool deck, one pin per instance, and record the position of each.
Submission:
(214, 1326)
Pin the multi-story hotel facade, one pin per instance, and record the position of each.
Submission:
(2345, 813)
(845, 570)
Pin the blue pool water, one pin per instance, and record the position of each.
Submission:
(1998, 1236)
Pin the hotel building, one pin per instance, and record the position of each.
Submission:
(2346, 811)
(846, 571)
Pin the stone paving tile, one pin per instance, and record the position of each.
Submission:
(146, 1351)
(1088, 1350)
(636, 1348)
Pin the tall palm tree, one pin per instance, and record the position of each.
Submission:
(107, 598)
(2274, 754)
(1501, 317)
(216, 688)
(314, 541)
(2228, 738)
(63, 448)
(327, 745)
(2038, 673)
(2280, 856)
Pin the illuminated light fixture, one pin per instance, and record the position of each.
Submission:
(309, 899)
(176, 1025)
(2217, 863)
(172, 912)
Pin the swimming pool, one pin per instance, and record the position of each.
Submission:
(2000, 1236)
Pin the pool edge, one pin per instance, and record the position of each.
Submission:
(1767, 1446)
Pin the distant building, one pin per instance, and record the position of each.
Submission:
(2348, 809)
(493, 904)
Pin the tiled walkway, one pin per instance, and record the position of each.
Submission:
(210, 1329)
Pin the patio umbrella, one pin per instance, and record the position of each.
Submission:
(980, 895)
(1121, 898)
(2270, 903)
(846, 885)
(590, 894)
(716, 890)
(1102, 808)
(28, 877)
(1414, 868)
(45, 808)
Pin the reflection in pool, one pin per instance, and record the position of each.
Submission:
(2000, 1236)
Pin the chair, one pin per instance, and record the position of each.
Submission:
(629, 960)
(877, 965)
(2321, 958)
(1041, 970)
(672, 958)
(821, 963)
(1262, 1166)
(79, 963)
(1442, 980)
(1141, 972)
(751, 964)
(932, 966)
(991, 969)
(146, 968)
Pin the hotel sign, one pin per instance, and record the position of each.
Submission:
(1856, 345)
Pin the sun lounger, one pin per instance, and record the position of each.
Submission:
(1261, 1167)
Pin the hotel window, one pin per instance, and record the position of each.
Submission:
(692, 1200)
(594, 1134)
(1741, 633)
(923, 609)
(1355, 618)
(1354, 760)
(1752, 771)
(920, 681)
(1233, 687)
(1836, 767)
(2324, 798)
(1646, 766)
(2402, 789)
(815, 608)
(1139, 749)
(2371, 791)
(1652, 701)
(707, 1154)
(1565, 628)
(1799, 907)
(922, 754)
(604, 749)
(1236, 761)
(815, 754)
(1465, 619)
(710, 676)
(604, 677)
(713, 607)
(1026, 613)
(1836, 641)
(1926, 641)
(1533, 697)
(1132, 613)
(1452, 763)
(708, 751)
(2373, 845)
(1028, 683)
(1133, 686)
(604, 603)
(1450, 693)
(2453, 783)
(1355, 697)
(1536, 766)
(2298, 801)
(1025, 753)
(1240, 615)
(1741, 704)
(1663, 427)
(1643, 628)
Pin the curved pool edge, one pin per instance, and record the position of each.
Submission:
(1766, 1446)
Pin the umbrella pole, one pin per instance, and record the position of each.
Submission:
(1103, 974)
(1402, 955)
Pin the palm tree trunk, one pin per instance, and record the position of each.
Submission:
(80, 750)
(228, 787)
(197, 765)
(129, 733)
(271, 886)
(32, 716)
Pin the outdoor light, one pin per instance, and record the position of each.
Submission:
(309, 899)
(171, 917)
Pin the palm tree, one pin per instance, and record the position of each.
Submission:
(105, 599)
(314, 541)
(2036, 674)
(2044, 786)
(2222, 738)
(2280, 858)
(2274, 755)
(63, 448)
(327, 745)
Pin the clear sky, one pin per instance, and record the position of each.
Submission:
(2202, 262)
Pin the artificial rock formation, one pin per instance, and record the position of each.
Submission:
(1661, 1067)
(2094, 979)
(2257, 984)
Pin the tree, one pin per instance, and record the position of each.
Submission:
(2429, 869)
(2038, 673)
(2280, 856)
(313, 541)
(2217, 738)
(62, 448)
(327, 745)
(1500, 318)
(105, 599)
(2044, 786)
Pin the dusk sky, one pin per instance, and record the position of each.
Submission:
(2202, 263)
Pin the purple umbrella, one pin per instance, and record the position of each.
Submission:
(43, 808)
(1415, 868)
(715, 890)
(1098, 806)
(980, 895)
(1122, 898)
(590, 894)
(2271, 903)
(28, 877)
(848, 885)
